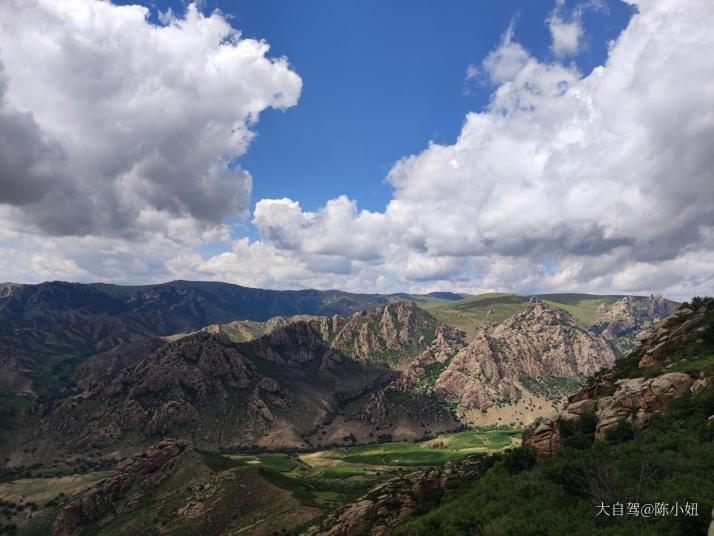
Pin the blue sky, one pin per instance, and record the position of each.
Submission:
(380, 80)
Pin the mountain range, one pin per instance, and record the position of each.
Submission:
(94, 374)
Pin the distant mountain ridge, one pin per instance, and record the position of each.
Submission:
(47, 330)
(54, 335)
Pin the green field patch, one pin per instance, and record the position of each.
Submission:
(342, 472)
(281, 463)
(437, 451)
(15, 402)
(329, 499)
(299, 488)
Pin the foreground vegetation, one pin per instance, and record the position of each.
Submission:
(670, 462)
(666, 465)
(310, 483)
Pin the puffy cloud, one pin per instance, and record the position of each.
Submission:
(599, 182)
(113, 126)
(567, 31)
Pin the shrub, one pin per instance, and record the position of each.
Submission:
(520, 459)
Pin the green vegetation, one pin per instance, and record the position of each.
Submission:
(432, 372)
(581, 306)
(551, 387)
(671, 461)
(15, 402)
(693, 356)
(437, 451)
(274, 462)
(474, 311)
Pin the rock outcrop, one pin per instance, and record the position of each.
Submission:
(392, 502)
(637, 399)
(122, 492)
(656, 345)
(544, 436)
(392, 333)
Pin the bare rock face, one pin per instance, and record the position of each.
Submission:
(637, 399)
(375, 408)
(385, 333)
(391, 503)
(448, 341)
(544, 436)
(123, 491)
(657, 345)
(539, 342)
(629, 315)
(170, 414)
(634, 400)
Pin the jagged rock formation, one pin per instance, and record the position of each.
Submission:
(658, 344)
(269, 391)
(544, 436)
(632, 399)
(124, 491)
(523, 353)
(623, 319)
(393, 333)
(423, 371)
(392, 502)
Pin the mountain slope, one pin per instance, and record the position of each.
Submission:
(619, 318)
(517, 369)
(283, 389)
(49, 330)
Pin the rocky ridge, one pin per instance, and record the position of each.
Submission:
(129, 486)
(394, 501)
(622, 320)
(612, 399)
(207, 388)
(535, 349)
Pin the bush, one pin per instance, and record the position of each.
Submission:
(579, 434)
(520, 459)
(620, 433)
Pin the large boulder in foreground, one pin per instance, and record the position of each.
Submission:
(637, 399)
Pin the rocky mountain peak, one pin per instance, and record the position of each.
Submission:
(393, 332)
(530, 359)
(625, 393)
(536, 315)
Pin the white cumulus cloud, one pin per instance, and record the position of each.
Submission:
(113, 126)
(599, 182)
(566, 181)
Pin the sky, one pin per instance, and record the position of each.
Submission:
(369, 146)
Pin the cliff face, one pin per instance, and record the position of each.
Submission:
(516, 370)
(623, 320)
(541, 351)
